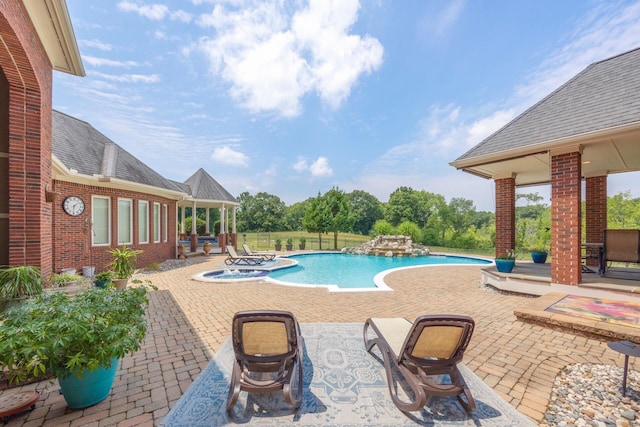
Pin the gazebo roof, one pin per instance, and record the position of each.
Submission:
(598, 110)
(204, 188)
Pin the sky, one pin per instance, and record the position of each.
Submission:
(293, 98)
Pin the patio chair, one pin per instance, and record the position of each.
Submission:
(432, 345)
(268, 256)
(234, 259)
(268, 352)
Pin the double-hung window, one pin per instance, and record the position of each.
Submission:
(125, 221)
(156, 222)
(100, 221)
(143, 221)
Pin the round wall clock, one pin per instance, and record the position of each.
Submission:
(73, 205)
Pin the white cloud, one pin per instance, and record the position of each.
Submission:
(129, 78)
(97, 44)
(99, 62)
(300, 165)
(229, 156)
(155, 12)
(439, 18)
(272, 58)
(320, 167)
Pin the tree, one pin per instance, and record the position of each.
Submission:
(262, 212)
(340, 218)
(316, 218)
(366, 209)
(294, 215)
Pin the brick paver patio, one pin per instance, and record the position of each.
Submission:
(189, 320)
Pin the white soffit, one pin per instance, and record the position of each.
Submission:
(53, 25)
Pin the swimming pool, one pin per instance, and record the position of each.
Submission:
(356, 272)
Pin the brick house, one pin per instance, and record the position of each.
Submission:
(67, 192)
(583, 131)
(37, 38)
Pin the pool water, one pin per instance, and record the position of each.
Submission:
(231, 274)
(355, 271)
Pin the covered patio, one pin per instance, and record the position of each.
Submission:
(584, 131)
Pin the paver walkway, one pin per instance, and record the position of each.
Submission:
(189, 320)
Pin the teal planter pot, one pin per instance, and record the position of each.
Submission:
(539, 257)
(505, 265)
(92, 387)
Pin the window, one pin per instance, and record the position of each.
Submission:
(125, 221)
(156, 222)
(165, 228)
(101, 221)
(143, 221)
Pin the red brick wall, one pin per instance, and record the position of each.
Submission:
(505, 215)
(72, 234)
(596, 213)
(566, 218)
(29, 73)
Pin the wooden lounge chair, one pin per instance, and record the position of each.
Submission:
(432, 345)
(268, 350)
(268, 256)
(234, 259)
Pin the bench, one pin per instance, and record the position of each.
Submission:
(620, 246)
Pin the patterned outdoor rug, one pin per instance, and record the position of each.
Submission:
(343, 386)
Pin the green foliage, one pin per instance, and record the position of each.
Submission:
(277, 241)
(262, 212)
(201, 226)
(340, 218)
(366, 209)
(408, 228)
(16, 282)
(63, 335)
(510, 254)
(303, 241)
(104, 276)
(382, 228)
(123, 263)
(62, 280)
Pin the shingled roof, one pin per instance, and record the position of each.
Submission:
(204, 187)
(603, 98)
(83, 149)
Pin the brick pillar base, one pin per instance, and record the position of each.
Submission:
(595, 215)
(566, 218)
(505, 215)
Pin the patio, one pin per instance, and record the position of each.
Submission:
(189, 321)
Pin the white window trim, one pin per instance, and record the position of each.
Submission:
(108, 199)
(130, 240)
(165, 224)
(146, 203)
(157, 219)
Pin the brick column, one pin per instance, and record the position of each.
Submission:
(505, 214)
(566, 218)
(596, 214)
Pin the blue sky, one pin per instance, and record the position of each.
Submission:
(295, 97)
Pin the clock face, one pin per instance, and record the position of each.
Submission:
(73, 205)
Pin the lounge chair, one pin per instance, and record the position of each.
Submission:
(432, 345)
(268, 350)
(234, 259)
(268, 256)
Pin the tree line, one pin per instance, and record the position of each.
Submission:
(427, 217)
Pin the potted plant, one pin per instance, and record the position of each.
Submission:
(19, 283)
(78, 339)
(206, 247)
(539, 255)
(123, 264)
(506, 261)
(289, 245)
(278, 244)
(302, 243)
(103, 278)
